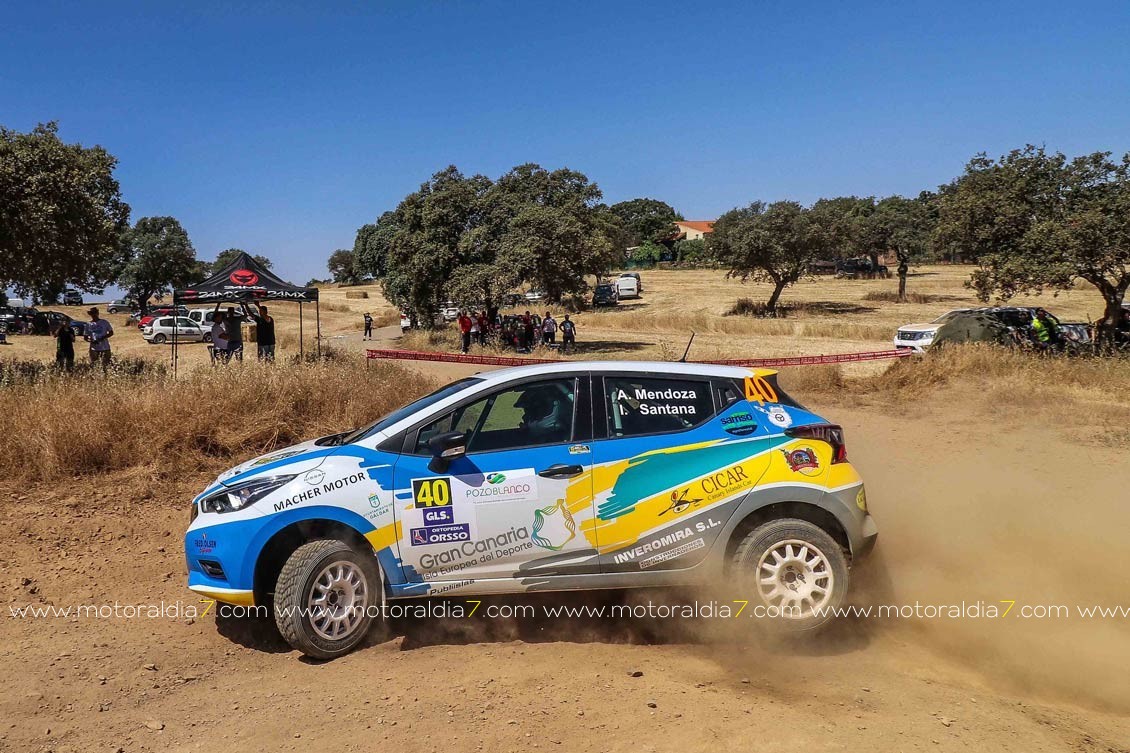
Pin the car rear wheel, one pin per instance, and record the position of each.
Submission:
(326, 597)
(794, 570)
(159, 338)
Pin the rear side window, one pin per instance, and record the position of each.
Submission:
(645, 405)
(783, 398)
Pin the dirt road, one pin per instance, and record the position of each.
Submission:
(968, 512)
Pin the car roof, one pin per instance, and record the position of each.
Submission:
(644, 367)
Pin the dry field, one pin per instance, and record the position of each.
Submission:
(995, 478)
(831, 316)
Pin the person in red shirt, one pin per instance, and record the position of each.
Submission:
(465, 330)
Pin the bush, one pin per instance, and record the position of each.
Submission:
(58, 426)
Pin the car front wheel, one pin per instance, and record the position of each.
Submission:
(794, 570)
(326, 597)
(159, 338)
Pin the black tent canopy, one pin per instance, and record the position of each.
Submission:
(245, 280)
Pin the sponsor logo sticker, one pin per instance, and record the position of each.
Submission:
(739, 424)
(802, 460)
(315, 477)
(553, 526)
(442, 534)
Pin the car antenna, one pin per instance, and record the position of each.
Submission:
(688, 350)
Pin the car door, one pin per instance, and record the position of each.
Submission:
(510, 506)
(674, 457)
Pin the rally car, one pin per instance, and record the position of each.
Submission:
(542, 478)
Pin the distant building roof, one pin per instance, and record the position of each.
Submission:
(702, 226)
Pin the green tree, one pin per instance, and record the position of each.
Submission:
(903, 227)
(1036, 220)
(646, 220)
(161, 257)
(773, 243)
(62, 218)
(227, 256)
(647, 254)
(473, 239)
(690, 251)
(342, 267)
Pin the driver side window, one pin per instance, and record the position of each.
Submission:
(531, 414)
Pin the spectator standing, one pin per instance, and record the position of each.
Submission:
(368, 327)
(98, 334)
(476, 328)
(548, 329)
(219, 338)
(233, 331)
(65, 347)
(527, 330)
(264, 333)
(484, 327)
(465, 330)
(568, 334)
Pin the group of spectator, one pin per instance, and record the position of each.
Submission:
(521, 332)
(96, 333)
(227, 333)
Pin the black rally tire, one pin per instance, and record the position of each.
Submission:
(293, 587)
(770, 536)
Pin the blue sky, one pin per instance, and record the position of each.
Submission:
(282, 127)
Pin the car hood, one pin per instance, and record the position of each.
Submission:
(291, 457)
(920, 327)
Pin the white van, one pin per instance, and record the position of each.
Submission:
(627, 287)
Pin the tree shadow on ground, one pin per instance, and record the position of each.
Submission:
(609, 346)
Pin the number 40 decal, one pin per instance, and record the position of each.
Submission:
(758, 388)
(431, 492)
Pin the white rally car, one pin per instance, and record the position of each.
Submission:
(542, 478)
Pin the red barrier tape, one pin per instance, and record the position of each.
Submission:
(423, 355)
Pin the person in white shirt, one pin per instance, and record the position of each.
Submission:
(219, 338)
(548, 329)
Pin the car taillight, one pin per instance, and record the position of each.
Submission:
(833, 434)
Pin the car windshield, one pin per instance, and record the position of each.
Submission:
(402, 413)
(604, 288)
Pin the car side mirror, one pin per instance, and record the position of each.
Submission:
(446, 447)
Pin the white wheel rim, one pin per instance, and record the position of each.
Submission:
(795, 577)
(337, 600)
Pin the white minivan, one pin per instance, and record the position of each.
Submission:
(627, 286)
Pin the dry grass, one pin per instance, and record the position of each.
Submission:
(1089, 398)
(66, 426)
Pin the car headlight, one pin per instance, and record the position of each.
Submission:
(242, 495)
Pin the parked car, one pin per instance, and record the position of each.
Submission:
(918, 337)
(680, 475)
(823, 267)
(161, 330)
(204, 318)
(121, 306)
(605, 295)
(144, 321)
(72, 298)
(627, 286)
(1014, 319)
(55, 318)
(438, 320)
(535, 295)
(449, 311)
(851, 268)
(637, 278)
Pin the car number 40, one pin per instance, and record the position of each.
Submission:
(431, 492)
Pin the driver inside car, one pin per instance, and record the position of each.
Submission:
(546, 414)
